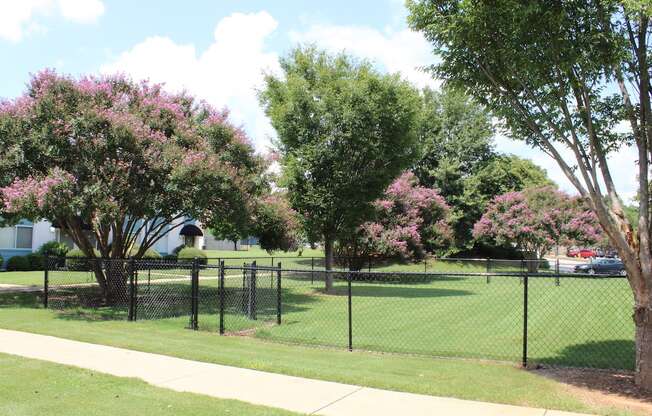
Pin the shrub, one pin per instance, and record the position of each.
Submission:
(150, 253)
(54, 249)
(170, 258)
(36, 261)
(18, 264)
(76, 260)
(178, 249)
(190, 253)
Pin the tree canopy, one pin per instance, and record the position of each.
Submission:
(459, 159)
(410, 221)
(116, 163)
(537, 219)
(562, 76)
(345, 131)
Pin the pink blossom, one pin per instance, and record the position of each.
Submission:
(34, 189)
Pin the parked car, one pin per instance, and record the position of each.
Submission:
(612, 254)
(587, 253)
(602, 266)
(572, 252)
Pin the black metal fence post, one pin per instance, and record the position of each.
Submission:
(525, 318)
(278, 294)
(194, 306)
(312, 273)
(46, 281)
(350, 314)
(557, 282)
(130, 272)
(271, 274)
(135, 293)
(488, 270)
(251, 304)
(221, 293)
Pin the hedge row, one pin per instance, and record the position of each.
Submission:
(32, 261)
(75, 258)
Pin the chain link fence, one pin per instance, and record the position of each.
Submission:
(506, 312)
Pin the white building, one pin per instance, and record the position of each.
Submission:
(26, 237)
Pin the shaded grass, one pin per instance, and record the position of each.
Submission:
(33, 387)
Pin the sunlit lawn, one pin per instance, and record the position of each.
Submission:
(33, 387)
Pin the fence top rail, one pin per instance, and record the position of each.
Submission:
(452, 273)
(248, 267)
(461, 259)
(281, 257)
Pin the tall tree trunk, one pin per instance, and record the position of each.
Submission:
(643, 321)
(235, 245)
(328, 252)
(115, 274)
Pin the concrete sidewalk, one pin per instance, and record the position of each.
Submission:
(275, 390)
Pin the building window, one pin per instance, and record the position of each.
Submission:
(7, 237)
(19, 236)
(23, 237)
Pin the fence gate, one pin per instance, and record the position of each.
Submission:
(248, 297)
(161, 290)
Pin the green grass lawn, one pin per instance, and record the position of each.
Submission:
(22, 278)
(582, 322)
(32, 387)
(466, 379)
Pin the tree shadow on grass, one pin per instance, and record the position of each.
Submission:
(20, 300)
(394, 292)
(375, 277)
(612, 372)
(164, 301)
(93, 315)
(612, 354)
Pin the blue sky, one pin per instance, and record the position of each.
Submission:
(218, 50)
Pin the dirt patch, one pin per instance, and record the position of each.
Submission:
(603, 387)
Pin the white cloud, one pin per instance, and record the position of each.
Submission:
(401, 51)
(227, 73)
(81, 11)
(18, 18)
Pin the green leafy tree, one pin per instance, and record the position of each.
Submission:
(455, 133)
(344, 133)
(458, 158)
(502, 174)
(561, 76)
(276, 224)
(116, 164)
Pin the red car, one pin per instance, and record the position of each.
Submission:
(587, 253)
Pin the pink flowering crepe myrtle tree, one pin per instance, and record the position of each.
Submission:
(411, 220)
(115, 163)
(535, 220)
(276, 224)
